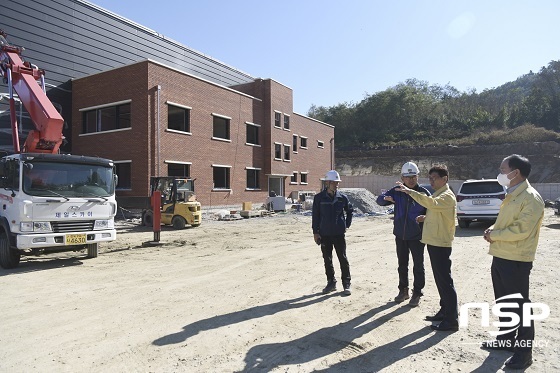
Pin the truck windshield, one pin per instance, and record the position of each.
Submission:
(54, 179)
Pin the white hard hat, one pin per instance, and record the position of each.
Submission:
(332, 175)
(409, 169)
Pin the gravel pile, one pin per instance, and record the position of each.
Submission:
(364, 201)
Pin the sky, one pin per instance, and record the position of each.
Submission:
(334, 52)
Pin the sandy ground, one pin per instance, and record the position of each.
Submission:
(246, 295)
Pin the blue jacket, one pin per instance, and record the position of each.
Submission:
(331, 216)
(406, 210)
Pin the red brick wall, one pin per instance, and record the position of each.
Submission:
(139, 83)
(116, 85)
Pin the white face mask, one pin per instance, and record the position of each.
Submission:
(503, 179)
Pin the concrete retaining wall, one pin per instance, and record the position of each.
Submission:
(377, 184)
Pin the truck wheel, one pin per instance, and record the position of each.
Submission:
(92, 250)
(148, 218)
(178, 222)
(464, 223)
(8, 258)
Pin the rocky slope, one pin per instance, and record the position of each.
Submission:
(467, 162)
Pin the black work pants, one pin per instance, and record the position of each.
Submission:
(512, 277)
(339, 243)
(440, 258)
(416, 249)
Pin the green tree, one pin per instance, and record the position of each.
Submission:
(414, 112)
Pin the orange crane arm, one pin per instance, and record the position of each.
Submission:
(47, 136)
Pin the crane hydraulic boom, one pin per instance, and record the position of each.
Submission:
(49, 202)
(22, 78)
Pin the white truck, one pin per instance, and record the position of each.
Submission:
(49, 202)
(54, 203)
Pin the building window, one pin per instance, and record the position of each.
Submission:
(178, 118)
(252, 133)
(221, 177)
(253, 178)
(295, 143)
(221, 127)
(106, 118)
(293, 180)
(320, 144)
(303, 142)
(286, 122)
(179, 169)
(303, 178)
(277, 117)
(277, 151)
(123, 172)
(287, 151)
(90, 122)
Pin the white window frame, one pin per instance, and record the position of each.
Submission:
(182, 107)
(256, 169)
(280, 122)
(275, 158)
(254, 125)
(289, 152)
(284, 122)
(221, 189)
(306, 173)
(103, 106)
(229, 127)
(294, 182)
(166, 161)
(120, 162)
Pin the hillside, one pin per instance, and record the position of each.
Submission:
(464, 162)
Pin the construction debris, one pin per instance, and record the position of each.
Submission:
(251, 213)
(364, 201)
(230, 217)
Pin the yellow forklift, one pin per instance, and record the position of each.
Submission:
(179, 206)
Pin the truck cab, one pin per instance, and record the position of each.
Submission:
(54, 203)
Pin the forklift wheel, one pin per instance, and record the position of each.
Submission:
(178, 222)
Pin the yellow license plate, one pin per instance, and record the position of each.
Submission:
(75, 239)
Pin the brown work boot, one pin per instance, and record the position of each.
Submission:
(403, 295)
(415, 300)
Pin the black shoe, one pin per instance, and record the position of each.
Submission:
(498, 344)
(446, 326)
(347, 289)
(437, 317)
(519, 360)
(331, 286)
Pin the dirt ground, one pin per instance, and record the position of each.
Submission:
(245, 295)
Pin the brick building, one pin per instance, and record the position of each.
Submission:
(240, 142)
(158, 107)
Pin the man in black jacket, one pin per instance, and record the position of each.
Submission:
(332, 215)
(408, 233)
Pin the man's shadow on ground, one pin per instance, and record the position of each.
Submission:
(493, 362)
(326, 341)
(240, 316)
